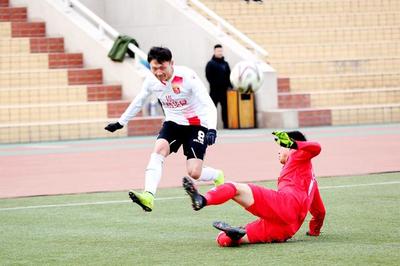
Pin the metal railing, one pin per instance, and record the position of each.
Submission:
(221, 23)
(105, 30)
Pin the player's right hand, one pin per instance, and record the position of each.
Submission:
(283, 139)
(113, 127)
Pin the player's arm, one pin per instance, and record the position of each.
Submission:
(309, 149)
(135, 106)
(200, 92)
(209, 72)
(317, 210)
(228, 74)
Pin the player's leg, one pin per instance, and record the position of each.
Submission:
(153, 174)
(256, 200)
(241, 193)
(258, 231)
(230, 235)
(214, 97)
(166, 143)
(224, 240)
(224, 109)
(196, 171)
(154, 168)
(195, 149)
(194, 167)
(212, 174)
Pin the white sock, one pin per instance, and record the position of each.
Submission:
(208, 174)
(153, 173)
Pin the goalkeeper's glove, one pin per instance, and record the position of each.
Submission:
(283, 139)
(113, 127)
(211, 136)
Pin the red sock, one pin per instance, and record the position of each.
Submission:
(220, 194)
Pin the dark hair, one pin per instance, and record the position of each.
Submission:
(160, 54)
(217, 46)
(296, 135)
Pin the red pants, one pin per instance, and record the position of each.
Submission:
(281, 214)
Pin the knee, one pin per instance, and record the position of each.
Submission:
(162, 148)
(241, 189)
(194, 172)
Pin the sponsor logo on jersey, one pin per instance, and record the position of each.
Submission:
(172, 103)
(176, 84)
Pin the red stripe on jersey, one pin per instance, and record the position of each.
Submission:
(194, 121)
(177, 80)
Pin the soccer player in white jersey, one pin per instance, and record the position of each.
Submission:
(190, 121)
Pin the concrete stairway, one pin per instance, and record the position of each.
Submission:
(46, 94)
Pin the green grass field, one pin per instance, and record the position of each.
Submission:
(361, 228)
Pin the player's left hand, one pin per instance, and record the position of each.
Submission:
(113, 127)
(283, 139)
(211, 136)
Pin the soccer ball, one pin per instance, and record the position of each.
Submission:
(246, 76)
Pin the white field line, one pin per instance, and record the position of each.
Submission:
(166, 198)
(361, 185)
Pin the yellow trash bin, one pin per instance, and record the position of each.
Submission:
(240, 109)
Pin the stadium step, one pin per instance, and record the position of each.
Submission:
(349, 115)
(335, 51)
(51, 77)
(60, 94)
(264, 22)
(60, 111)
(339, 66)
(76, 129)
(31, 45)
(235, 8)
(22, 29)
(15, 14)
(339, 98)
(4, 3)
(344, 82)
(40, 61)
(283, 84)
(333, 35)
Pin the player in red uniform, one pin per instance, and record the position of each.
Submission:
(281, 213)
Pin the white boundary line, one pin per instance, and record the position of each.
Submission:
(166, 198)
(361, 185)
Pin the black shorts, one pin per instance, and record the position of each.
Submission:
(192, 138)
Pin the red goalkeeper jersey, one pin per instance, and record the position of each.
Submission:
(298, 173)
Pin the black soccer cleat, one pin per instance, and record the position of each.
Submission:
(234, 233)
(198, 201)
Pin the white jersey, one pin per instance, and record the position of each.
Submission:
(184, 98)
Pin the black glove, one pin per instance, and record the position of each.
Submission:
(113, 127)
(211, 136)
